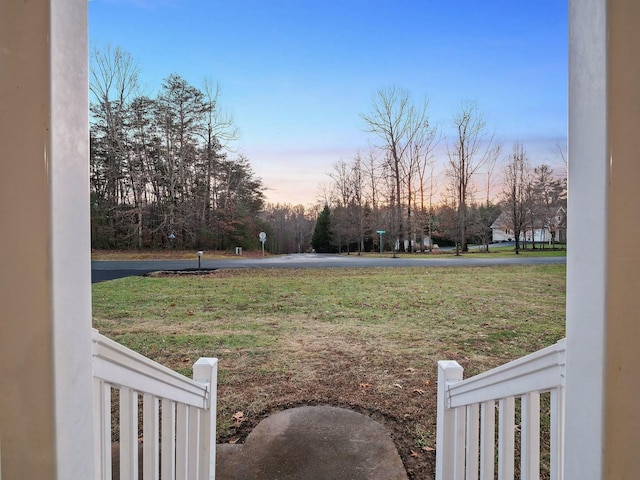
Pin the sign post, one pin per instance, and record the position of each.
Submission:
(381, 232)
(263, 238)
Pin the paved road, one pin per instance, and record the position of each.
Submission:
(109, 270)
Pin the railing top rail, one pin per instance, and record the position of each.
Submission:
(121, 366)
(540, 371)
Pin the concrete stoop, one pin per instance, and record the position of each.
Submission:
(312, 443)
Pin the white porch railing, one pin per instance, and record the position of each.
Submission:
(178, 415)
(466, 422)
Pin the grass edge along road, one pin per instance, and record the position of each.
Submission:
(495, 251)
(367, 339)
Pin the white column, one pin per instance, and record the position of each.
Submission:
(603, 287)
(45, 297)
(586, 232)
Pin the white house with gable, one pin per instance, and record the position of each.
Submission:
(552, 230)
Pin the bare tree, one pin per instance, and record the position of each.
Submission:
(348, 184)
(217, 131)
(289, 227)
(397, 122)
(421, 162)
(550, 195)
(357, 180)
(516, 181)
(426, 172)
(561, 151)
(472, 148)
(114, 82)
(372, 179)
(342, 212)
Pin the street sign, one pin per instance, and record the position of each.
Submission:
(381, 231)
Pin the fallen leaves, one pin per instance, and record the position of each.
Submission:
(418, 391)
(365, 385)
(238, 417)
(424, 449)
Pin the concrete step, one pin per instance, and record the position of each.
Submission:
(313, 443)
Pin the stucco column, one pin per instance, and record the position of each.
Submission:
(45, 296)
(603, 276)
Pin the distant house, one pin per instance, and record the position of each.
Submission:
(414, 245)
(554, 229)
(501, 230)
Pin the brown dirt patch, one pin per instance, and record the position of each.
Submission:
(400, 393)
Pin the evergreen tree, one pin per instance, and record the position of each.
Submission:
(321, 240)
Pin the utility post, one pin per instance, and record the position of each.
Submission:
(381, 232)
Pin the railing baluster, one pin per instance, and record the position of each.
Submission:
(182, 442)
(487, 441)
(150, 437)
(530, 437)
(506, 438)
(168, 441)
(557, 433)
(128, 434)
(459, 444)
(193, 442)
(473, 439)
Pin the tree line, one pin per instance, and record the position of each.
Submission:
(393, 187)
(161, 172)
(163, 175)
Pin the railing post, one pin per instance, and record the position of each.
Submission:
(205, 371)
(448, 372)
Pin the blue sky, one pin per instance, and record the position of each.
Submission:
(297, 74)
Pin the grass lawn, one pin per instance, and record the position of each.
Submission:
(168, 254)
(506, 251)
(365, 339)
(495, 251)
